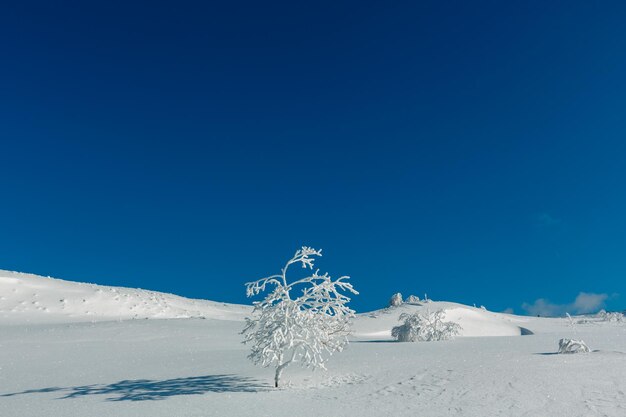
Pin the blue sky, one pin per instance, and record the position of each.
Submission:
(476, 152)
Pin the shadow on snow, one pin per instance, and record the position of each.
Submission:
(145, 389)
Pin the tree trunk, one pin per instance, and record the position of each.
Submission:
(279, 372)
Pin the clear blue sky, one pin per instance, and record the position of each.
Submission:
(475, 151)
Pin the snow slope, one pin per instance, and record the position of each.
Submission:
(54, 365)
(27, 298)
(475, 322)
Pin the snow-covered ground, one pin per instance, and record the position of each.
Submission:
(69, 349)
(27, 298)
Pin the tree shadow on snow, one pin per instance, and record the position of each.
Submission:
(145, 389)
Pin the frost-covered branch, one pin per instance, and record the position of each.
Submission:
(304, 329)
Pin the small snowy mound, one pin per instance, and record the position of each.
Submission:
(474, 322)
(573, 346)
(26, 298)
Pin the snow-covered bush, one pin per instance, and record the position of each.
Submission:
(305, 328)
(611, 317)
(573, 346)
(602, 316)
(425, 327)
(412, 299)
(395, 300)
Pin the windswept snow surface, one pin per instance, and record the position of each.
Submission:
(72, 365)
(27, 298)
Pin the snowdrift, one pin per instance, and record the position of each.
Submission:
(27, 298)
(475, 322)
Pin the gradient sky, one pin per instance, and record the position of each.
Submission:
(475, 151)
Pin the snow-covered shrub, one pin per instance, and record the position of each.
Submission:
(603, 316)
(610, 317)
(395, 300)
(412, 299)
(305, 327)
(573, 346)
(425, 327)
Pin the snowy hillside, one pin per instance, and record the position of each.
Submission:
(27, 298)
(474, 322)
(68, 350)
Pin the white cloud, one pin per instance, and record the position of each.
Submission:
(584, 303)
(589, 302)
(508, 310)
(542, 307)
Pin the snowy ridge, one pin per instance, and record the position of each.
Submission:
(27, 298)
(474, 322)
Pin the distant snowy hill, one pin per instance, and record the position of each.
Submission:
(475, 322)
(27, 298)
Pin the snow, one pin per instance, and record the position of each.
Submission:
(27, 298)
(475, 322)
(64, 362)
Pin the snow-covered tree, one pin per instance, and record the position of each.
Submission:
(425, 327)
(395, 300)
(615, 317)
(303, 321)
(412, 299)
